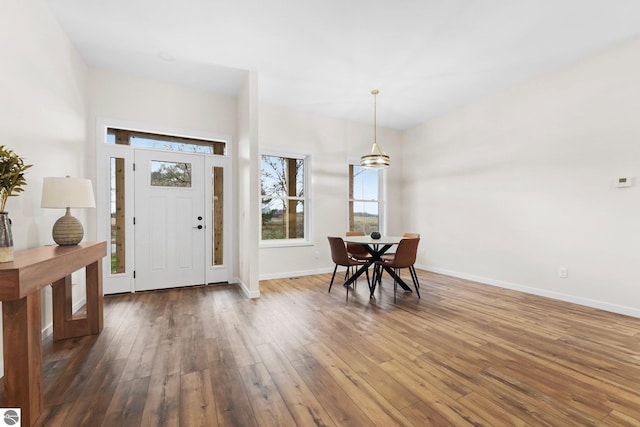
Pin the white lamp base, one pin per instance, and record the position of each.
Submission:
(67, 230)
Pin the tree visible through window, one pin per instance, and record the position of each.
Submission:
(364, 199)
(283, 197)
(170, 174)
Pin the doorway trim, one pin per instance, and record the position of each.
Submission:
(125, 282)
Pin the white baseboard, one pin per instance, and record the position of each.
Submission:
(47, 331)
(601, 305)
(289, 274)
(245, 289)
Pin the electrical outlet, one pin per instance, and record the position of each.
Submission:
(563, 272)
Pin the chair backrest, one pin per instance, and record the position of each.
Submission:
(339, 253)
(406, 253)
(411, 235)
(355, 249)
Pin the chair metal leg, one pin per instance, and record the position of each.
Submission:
(350, 272)
(333, 277)
(346, 277)
(395, 285)
(414, 277)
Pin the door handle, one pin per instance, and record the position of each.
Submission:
(199, 218)
(199, 227)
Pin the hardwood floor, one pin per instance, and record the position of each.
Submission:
(464, 354)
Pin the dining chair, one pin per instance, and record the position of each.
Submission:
(341, 257)
(356, 251)
(389, 256)
(404, 257)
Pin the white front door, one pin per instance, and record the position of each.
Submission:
(170, 224)
(181, 202)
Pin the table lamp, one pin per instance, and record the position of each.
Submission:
(67, 193)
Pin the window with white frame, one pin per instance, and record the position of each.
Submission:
(365, 201)
(284, 197)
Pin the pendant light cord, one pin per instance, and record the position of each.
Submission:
(375, 123)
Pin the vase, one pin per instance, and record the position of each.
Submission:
(6, 238)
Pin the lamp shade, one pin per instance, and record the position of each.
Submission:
(67, 193)
(375, 161)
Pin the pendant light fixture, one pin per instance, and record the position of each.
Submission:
(377, 159)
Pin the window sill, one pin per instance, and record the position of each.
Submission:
(284, 243)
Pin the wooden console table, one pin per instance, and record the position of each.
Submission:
(20, 284)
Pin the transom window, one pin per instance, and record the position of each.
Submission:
(164, 142)
(284, 197)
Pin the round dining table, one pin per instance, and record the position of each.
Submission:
(377, 248)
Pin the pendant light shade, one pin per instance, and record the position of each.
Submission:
(377, 159)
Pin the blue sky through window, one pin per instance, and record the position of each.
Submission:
(365, 188)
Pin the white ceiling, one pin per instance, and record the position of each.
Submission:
(425, 56)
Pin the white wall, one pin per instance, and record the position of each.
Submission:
(248, 186)
(509, 189)
(42, 117)
(331, 143)
(124, 97)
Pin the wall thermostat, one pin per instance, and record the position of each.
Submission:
(624, 181)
